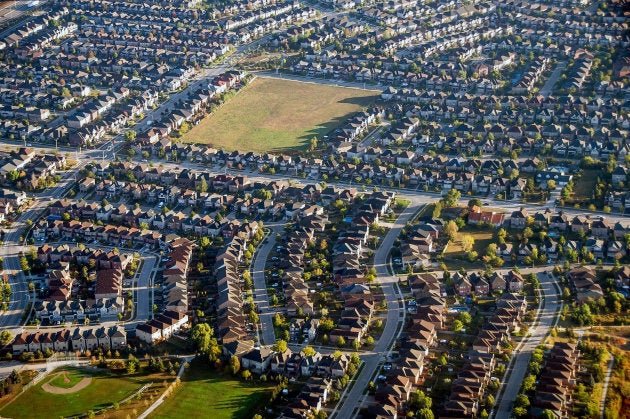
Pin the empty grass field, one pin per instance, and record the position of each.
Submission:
(482, 240)
(103, 390)
(456, 258)
(274, 115)
(585, 186)
(206, 393)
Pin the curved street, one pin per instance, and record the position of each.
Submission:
(353, 399)
(523, 353)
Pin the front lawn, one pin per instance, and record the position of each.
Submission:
(206, 393)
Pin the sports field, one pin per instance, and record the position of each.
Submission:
(72, 391)
(206, 393)
(279, 115)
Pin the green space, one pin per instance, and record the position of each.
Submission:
(104, 390)
(482, 239)
(585, 185)
(274, 115)
(204, 392)
(68, 379)
(456, 256)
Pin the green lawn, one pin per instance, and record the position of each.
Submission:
(104, 390)
(585, 186)
(278, 115)
(73, 377)
(482, 239)
(206, 393)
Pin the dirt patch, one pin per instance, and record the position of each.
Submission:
(85, 381)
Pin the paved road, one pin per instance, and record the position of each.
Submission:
(144, 288)
(353, 399)
(523, 354)
(553, 79)
(260, 287)
(407, 193)
(10, 249)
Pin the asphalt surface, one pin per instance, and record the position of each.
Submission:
(261, 300)
(406, 193)
(354, 398)
(11, 247)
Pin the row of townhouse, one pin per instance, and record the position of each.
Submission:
(161, 327)
(500, 326)
(597, 226)
(425, 319)
(79, 339)
(554, 387)
(100, 259)
(175, 290)
(175, 276)
(89, 231)
(469, 386)
(55, 311)
(231, 322)
(295, 244)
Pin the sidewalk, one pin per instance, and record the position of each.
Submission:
(168, 390)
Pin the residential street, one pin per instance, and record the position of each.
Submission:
(523, 353)
(395, 312)
(261, 299)
(143, 288)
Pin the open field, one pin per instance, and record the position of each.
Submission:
(585, 186)
(278, 115)
(482, 240)
(103, 390)
(206, 393)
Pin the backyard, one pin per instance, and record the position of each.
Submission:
(274, 115)
(204, 392)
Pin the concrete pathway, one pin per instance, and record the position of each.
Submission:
(602, 404)
(169, 389)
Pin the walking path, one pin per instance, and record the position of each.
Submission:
(602, 404)
(168, 390)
